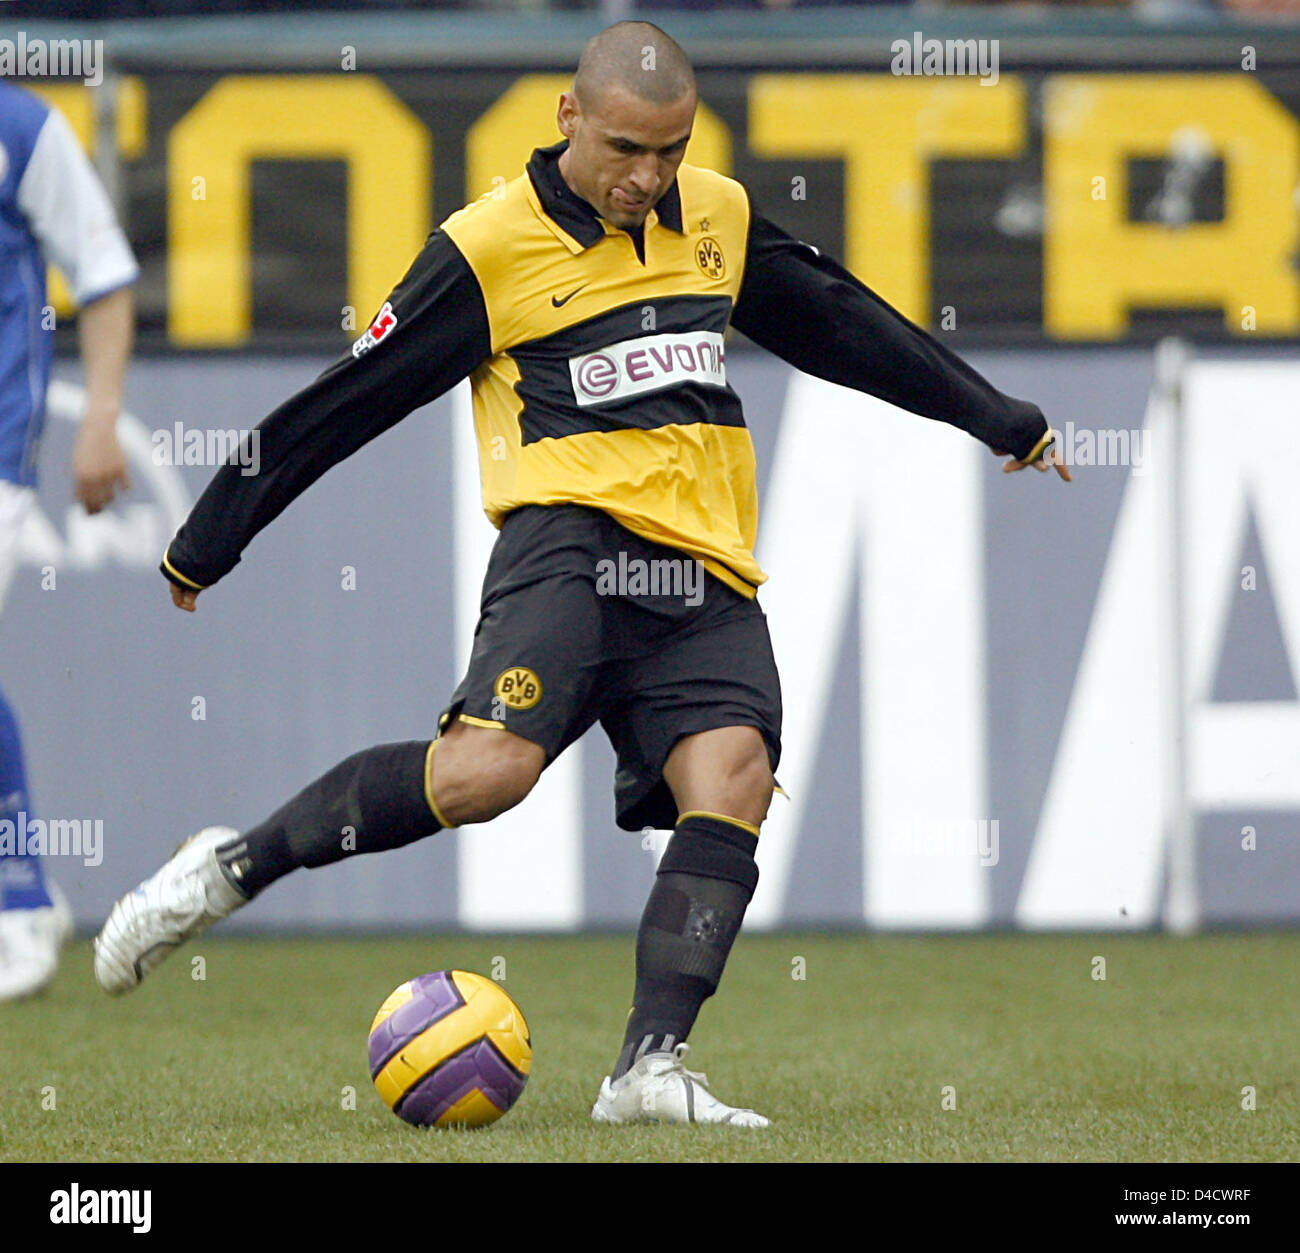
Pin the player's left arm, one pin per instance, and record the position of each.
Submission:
(105, 329)
(69, 213)
(811, 312)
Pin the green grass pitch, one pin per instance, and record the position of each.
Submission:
(1043, 1061)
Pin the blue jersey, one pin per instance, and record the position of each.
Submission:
(53, 209)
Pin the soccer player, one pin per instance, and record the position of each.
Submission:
(52, 209)
(587, 304)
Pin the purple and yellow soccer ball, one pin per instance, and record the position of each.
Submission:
(450, 1049)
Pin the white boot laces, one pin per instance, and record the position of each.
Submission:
(679, 1055)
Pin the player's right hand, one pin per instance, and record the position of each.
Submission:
(183, 597)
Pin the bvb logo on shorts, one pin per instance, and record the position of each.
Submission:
(708, 256)
(518, 687)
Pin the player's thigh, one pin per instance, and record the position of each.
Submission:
(527, 693)
(717, 676)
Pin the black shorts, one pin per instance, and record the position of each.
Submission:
(583, 621)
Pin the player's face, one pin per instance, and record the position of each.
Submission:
(623, 152)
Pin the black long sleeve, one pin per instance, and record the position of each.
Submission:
(437, 333)
(811, 312)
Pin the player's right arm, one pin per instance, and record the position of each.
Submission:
(430, 334)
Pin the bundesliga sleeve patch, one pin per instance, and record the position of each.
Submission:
(649, 363)
(379, 329)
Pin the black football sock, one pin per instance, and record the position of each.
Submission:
(375, 800)
(705, 882)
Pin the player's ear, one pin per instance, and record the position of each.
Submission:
(566, 115)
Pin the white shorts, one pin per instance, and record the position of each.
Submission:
(15, 501)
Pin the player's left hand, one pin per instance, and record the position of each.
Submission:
(184, 597)
(98, 465)
(1050, 456)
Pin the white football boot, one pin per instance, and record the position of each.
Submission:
(660, 1089)
(30, 940)
(187, 895)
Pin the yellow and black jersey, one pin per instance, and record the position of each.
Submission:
(598, 367)
(606, 381)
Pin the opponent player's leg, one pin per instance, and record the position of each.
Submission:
(34, 918)
(383, 798)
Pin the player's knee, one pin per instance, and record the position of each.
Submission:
(745, 782)
(479, 773)
(753, 780)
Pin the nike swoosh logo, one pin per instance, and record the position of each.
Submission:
(558, 301)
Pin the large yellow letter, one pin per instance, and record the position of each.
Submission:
(498, 144)
(1098, 265)
(886, 129)
(389, 155)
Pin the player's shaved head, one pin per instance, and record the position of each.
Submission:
(627, 118)
(637, 56)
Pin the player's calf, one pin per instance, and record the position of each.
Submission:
(705, 881)
(704, 884)
(382, 798)
(373, 801)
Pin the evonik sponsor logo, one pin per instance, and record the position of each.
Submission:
(648, 363)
